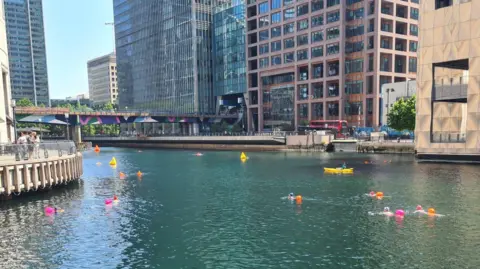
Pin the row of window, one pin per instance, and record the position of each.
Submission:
(290, 42)
(301, 9)
(288, 14)
(289, 57)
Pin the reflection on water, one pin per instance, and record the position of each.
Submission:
(214, 211)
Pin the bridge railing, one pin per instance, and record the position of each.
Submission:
(203, 134)
(44, 150)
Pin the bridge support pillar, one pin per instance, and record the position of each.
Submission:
(75, 133)
(196, 129)
(190, 128)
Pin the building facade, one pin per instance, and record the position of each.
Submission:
(102, 80)
(229, 66)
(391, 92)
(26, 46)
(448, 94)
(6, 114)
(326, 60)
(164, 55)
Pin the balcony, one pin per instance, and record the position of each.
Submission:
(401, 28)
(454, 88)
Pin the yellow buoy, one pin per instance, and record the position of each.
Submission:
(97, 149)
(139, 174)
(243, 156)
(113, 161)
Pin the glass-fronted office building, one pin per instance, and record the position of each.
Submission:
(229, 57)
(164, 59)
(26, 49)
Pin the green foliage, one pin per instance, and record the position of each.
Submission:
(219, 127)
(24, 102)
(237, 128)
(402, 115)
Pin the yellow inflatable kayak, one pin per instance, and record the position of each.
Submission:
(338, 170)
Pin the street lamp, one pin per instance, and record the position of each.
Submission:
(13, 103)
(66, 117)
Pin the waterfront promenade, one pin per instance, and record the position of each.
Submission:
(48, 165)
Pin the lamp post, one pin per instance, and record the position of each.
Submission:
(13, 103)
(66, 117)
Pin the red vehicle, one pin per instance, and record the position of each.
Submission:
(338, 127)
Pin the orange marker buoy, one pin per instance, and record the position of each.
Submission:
(431, 211)
(298, 199)
(139, 174)
(122, 175)
(379, 195)
(366, 162)
(97, 149)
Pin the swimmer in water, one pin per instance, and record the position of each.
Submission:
(419, 210)
(58, 210)
(372, 194)
(291, 197)
(386, 212)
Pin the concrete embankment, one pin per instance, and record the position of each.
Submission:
(386, 147)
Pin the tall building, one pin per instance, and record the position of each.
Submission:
(164, 55)
(6, 115)
(102, 80)
(229, 65)
(26, 47)
(326, 60)
(448, 89)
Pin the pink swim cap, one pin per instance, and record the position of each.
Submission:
(372, 193)
(108, 201)
(419, 207)
(400, 212)
(49, 210)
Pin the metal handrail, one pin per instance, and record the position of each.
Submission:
(43, 150)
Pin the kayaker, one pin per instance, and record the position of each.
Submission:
(344, 165)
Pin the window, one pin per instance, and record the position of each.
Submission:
(353, 47)
(302, 40)
(443, 3)
(263, 35)
(276, 4)
(370, 63)
(276, 45)
(331, 3)
(289, 14)
(414, 13)
(289, 43)
(371, 8)
(288, 2)
(302, 10)
(352, 31)
(264, 62)
(412, 64)
(276, 17)
(369, 106)
(413, 46)
(354, 87)
(317, 21)
(263, 7)
(288, 57)
(263, 48)
(303, 93)
(354, 108)
(332, 49)
(302, 25)
(317, 52)
(353, 66)
(355, 14)
(302, 55)
(333, 32)
(317, 36)
(333, 16)
(288, 28)
(276, 60)
(317, 5)
(318, 91)
(317, 71)
(370, 85)
(414, 29)
(263, 21)
(276, 31)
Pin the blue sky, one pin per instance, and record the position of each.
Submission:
(75, 32)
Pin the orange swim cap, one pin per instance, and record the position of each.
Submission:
(298, 198)
(431, 211)
(379, 194)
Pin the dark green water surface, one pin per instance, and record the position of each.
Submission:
(217, 212)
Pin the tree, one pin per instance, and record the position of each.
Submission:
(402, 115)
(24, 102)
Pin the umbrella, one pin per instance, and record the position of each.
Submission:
(144, 120)
(48, 119)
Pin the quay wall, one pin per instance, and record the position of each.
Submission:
(17, 177)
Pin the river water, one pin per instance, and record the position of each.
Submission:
(217, 212)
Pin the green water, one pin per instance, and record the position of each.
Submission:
(217, 212)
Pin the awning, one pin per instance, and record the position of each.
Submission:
(48, 119)
(144, 120)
